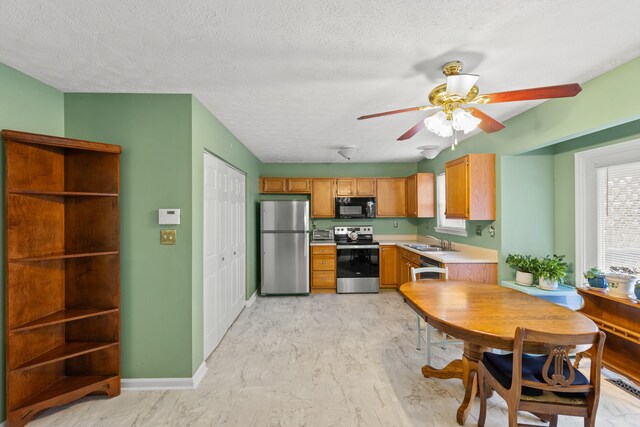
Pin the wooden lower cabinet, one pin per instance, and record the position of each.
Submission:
(407, 261)
(388, 266)
(477, 273)
(323, 268)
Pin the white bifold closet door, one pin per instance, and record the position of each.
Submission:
(224, 249)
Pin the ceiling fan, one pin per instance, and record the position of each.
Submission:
(460, 90)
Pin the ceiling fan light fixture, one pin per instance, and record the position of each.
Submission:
(460, 84)
(439, 124)
(464, 121)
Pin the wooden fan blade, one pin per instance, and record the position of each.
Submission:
(560, 91)
(404, 110)
(488, 123)
(408, 134)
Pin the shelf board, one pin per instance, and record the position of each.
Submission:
(65, 351)
(621, 364)
(62, 193)
(605, 295)
(64, 316)
(67, 385)
(63, 255)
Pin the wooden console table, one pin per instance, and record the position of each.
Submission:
(619, 318)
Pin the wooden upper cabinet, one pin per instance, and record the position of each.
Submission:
(299, 185)
(355, 187)
(420, 195)
(345, 187)
(323, 198)
(273, 185)
(471, 187)
(391, 197)
(285, 185)
(365, 187)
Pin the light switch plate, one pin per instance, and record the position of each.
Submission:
(169, 216)
(167, 237)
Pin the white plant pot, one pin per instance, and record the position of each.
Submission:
(621, 285)
(523, 278)
(547, 284)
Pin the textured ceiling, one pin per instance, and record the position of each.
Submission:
(289, 77)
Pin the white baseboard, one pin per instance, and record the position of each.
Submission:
(250, 301)
(155, 384)
(3, 424)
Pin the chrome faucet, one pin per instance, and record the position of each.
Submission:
(445, 244)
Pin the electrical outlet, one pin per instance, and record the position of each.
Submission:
(478, 230)
(395, 224)
(167, 237)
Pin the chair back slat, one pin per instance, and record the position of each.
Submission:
(558, 347)
(416, 271)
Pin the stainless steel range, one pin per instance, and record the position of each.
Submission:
(358, 260)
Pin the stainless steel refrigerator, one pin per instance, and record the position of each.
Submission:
(284, 237)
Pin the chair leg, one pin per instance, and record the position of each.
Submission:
(418, 346)
(483, 389)
(429, 344)
(553, 422)
(513, 416)
(444, 341)
(590, 421)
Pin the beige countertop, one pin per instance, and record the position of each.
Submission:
(466, 254)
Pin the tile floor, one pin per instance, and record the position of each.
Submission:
(323, 360)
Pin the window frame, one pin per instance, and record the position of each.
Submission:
(586, 162)
(441, 209)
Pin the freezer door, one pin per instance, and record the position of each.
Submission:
(284, 215)
(285, 263)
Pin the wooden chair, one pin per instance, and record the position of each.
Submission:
(414, 276)
(546, 385)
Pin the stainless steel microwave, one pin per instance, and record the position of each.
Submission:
(355, 207)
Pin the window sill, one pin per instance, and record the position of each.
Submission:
(454, 231)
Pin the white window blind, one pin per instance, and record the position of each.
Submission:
(618, 218)
(445, 225)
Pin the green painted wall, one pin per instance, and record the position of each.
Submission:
(31, 106)
(155, 134)
(596, 110)
(209, 134)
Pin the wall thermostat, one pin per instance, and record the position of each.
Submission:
(169, 216)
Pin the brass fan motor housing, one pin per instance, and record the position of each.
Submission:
(438, 96)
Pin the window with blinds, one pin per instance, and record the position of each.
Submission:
(618, 218)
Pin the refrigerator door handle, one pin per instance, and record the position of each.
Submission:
(306, 245)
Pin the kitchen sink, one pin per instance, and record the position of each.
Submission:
(429, 248)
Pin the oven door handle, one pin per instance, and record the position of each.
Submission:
(357, 247)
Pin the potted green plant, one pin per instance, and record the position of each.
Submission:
(524, 266)
(622, 280)
(550, 271)
(596, 278)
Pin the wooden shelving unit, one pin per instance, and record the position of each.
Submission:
(619, 318)
(63, 271)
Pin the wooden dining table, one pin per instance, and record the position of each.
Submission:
(484, 316)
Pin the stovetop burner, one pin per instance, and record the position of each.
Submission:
(363, 235)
